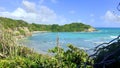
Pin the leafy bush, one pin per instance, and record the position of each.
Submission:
(71, 58)
(22, 32)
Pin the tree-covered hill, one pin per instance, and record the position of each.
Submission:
(73, 27)
(10, 23)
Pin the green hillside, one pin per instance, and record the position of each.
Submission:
(73, 27)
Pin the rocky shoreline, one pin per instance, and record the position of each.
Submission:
(91, 29)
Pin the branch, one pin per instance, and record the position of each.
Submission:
(118, 7)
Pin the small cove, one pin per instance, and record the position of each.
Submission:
(42, 42)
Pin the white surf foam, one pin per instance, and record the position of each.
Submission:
(113, 36)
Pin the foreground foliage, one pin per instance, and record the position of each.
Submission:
(14, 55)
(71, 58)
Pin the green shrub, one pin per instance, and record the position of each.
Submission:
(22, 32)
(71, 58)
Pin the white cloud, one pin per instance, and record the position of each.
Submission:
(47, 15)
(111, 17)
(44, 15)
(20, 13)
(29, 6)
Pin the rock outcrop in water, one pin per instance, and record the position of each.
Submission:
(91, 29)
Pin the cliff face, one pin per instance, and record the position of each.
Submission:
(17, 28)
(19, 32)
(22, 32)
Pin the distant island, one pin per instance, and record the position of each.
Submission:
(21, 28)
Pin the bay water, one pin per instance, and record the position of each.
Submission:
(42, 42)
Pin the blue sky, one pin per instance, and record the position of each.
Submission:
(98, 13)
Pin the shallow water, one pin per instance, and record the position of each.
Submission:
(41, 42)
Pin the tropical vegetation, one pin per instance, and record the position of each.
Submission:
(14, 24)
(16, 55)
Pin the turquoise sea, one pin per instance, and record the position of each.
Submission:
(41, 42)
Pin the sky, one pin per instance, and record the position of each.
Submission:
(97, 13)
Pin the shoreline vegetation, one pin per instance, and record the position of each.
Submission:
(15, 55)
